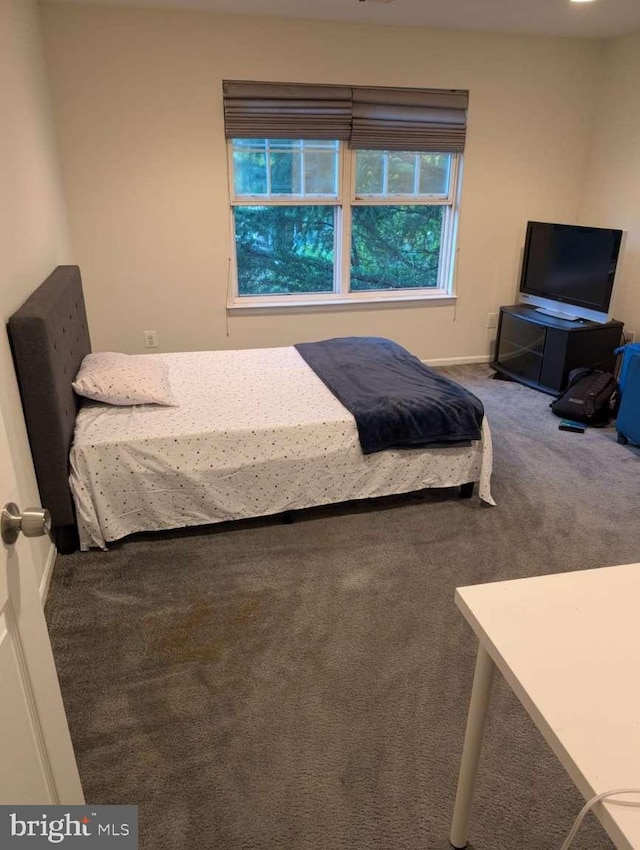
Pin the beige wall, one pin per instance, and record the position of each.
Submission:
(612, 183)
(33, 228)
(139, 117)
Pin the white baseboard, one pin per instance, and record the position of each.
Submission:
(45, 581)
(458, 361)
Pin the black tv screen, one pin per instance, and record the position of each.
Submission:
(570, 264)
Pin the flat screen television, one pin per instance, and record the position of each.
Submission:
(568, 270)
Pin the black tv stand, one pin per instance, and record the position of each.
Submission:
(540, 350)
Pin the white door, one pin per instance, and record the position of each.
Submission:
(37, 764)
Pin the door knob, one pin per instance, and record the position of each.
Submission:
(34, 522)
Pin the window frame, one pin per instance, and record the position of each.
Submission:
(345, 199)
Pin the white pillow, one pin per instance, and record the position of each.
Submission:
(124, 379)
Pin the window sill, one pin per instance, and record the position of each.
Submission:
(251, 305)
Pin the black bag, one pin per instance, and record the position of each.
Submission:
(591, 397)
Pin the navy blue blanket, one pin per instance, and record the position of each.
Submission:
(396, 400)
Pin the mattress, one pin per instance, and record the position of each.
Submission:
(254, 433)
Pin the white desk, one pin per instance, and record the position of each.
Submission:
(569, 646)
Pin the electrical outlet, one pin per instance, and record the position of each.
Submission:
(150, 339)
(630, 336)
(492, 321)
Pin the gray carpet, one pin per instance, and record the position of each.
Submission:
(305, 685)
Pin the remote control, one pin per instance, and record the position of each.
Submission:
(570, 425)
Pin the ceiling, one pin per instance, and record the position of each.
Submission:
(598, 19)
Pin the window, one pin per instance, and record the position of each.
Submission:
(315, 221)
(400, 215)
(341, 193)
(285, 212)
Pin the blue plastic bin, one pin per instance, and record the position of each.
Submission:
(628, 351)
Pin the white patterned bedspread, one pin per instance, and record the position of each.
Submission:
(256, 432)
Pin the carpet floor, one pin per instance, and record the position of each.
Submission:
(305, 686)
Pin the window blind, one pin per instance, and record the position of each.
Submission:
(376, 118)
(408, 119)
(286, 111)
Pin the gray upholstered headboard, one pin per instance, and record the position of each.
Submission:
(49, 337)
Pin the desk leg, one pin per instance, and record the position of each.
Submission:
(480, 695)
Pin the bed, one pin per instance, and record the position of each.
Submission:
(253, 433)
